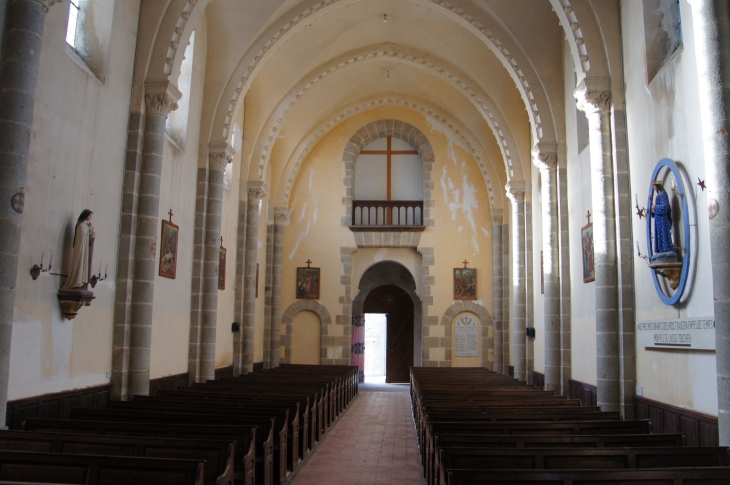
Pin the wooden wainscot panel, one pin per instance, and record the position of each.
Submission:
(538, 379)
(587, 393)
(169, 383)
(224, 373)
(57, 405)
(698, 429)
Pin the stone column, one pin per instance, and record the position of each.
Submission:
(516, 193)
(160, 99)
(594, 99)
(564, 276)
(256, 192)
(530, 297)
(545, 158)
(497, 287)
(710, 20)
(505, 298)
(281, 215)
(239, 281)
(17, 99)
(219, 155)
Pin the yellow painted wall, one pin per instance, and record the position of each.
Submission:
(306, 335)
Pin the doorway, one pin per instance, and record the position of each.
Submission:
(397, 306)
(376, 339)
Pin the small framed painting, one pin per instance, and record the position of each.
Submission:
(308, 283)
(222, 269)
(589, 267)
(168, 252)
(465, 284)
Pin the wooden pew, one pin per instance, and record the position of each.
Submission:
(677, 476)
(291, 450)
(218, 455)
(98, 469)
(262, 423)
(569, 459)
(250, 467)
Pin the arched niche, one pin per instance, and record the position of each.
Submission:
(487, 328)
(287, 329)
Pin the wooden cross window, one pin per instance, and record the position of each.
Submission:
(388, 169)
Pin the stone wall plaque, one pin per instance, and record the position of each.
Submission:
(682, 334)
(466, 337)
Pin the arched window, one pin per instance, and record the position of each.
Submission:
(388, 184)
(88, 34)
(177, 121)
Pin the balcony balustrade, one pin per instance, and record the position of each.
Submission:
(395, 215)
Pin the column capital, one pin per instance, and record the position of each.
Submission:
(516, 191)
(497, 217)
(593, 95)
(256, 190)
(281, 216)
(219, 155)
(161, 97)
(46, 4)
(545, 156)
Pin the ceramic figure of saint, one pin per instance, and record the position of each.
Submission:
(661, 211)
(79, 272)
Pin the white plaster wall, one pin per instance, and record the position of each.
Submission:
(76, 161)
(582, 295)
(664, 122)
(171, 314)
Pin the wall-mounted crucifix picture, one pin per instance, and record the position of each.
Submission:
(222, 267)
(308, 282)
(586, 237)
(168, 246)
(465, 283)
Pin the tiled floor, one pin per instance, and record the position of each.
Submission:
(373, 442)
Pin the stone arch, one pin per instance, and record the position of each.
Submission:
(485, 319)
(288, 318)
(393, 273)
(379, 129)
(493, 180)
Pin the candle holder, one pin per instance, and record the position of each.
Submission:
(36, 270)
(97, 278)
(640, 211)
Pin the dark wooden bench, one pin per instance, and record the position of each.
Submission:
(250, 467)
(98, 469)
(291, 450)
(218, 455)
(677, 476)
(571, 459)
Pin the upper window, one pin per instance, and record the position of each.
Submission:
(662, 32)
(88, 33)
(388, 169)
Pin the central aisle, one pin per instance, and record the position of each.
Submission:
(373, 442)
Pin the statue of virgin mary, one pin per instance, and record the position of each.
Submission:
(79, 271)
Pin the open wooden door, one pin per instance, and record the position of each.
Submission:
(396, 303)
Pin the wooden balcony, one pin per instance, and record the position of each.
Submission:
(387, 215)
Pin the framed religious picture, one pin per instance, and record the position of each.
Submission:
(589, 267)
(168, 250)
(308, 283)
(465, 283)
(222, 268)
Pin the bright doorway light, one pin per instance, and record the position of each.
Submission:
(375, 342)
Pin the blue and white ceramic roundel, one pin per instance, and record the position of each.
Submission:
(665, 254)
